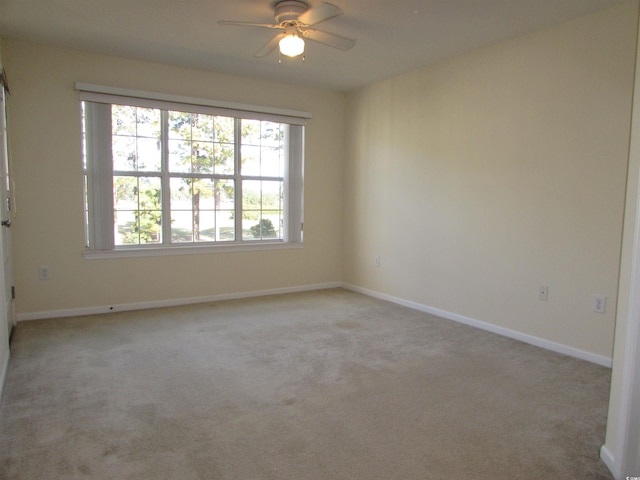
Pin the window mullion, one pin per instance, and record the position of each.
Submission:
(165, 182)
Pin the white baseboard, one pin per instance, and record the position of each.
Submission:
(538, 342)
(174, 302)
(523, 337)
(607, 458)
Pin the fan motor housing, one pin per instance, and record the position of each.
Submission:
(289, 10)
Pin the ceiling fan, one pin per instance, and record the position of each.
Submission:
(295, 19)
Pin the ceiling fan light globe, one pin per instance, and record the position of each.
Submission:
(291, 45)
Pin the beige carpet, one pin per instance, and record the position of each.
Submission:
(321, 385)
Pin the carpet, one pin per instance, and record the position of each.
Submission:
(318, 385)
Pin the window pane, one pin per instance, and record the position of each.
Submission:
(149, 197)
(202, 191)
(262, 229)
(224, 147)
(181, 210)
(202, 157)
(136, 138)
(206, 226)
(189, 198)
(204, 188)
(272, 134)
(125, 196)
(187, 156)
(225, 225)
(262, 215)
(250, 160)
(225, 195)
(125, 228)
(180, 194)
(224, 158)
(251, 199)
(202, 210)
(180, 125)
(271, 195)
(262, 150)
(123, 120)
(137, 210)
(271, 161)
(202, 127)
(150, 227)
(149, 156)
(272, 223)
(246, 229)
(137, 228)
(181, 226)
(250, 132)
(148, 122)
(224, 129)
(179, 156)
(124, 153)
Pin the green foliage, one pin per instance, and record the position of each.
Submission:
(264, 229)
(147, 225)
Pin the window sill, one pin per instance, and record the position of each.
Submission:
(187, 250)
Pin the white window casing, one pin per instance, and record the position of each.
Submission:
(98, 101)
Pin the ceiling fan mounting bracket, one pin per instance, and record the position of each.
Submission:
(288, 11)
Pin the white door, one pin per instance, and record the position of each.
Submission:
(6, 270)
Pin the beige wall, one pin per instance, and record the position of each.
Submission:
(44, 115)
(479, 179)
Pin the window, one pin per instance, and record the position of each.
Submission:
(167, 175)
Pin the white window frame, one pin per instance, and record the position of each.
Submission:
(99, 169)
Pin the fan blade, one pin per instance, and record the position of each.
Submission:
(319, 14)
(331, 39)
(247, 24)
(268, 47)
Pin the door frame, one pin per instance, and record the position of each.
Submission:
(622, 452)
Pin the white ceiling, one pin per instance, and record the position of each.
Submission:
(393, 37)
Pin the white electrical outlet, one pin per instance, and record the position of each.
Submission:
(599, 303)
(376, 261)
(44, 272)
(543, 293)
